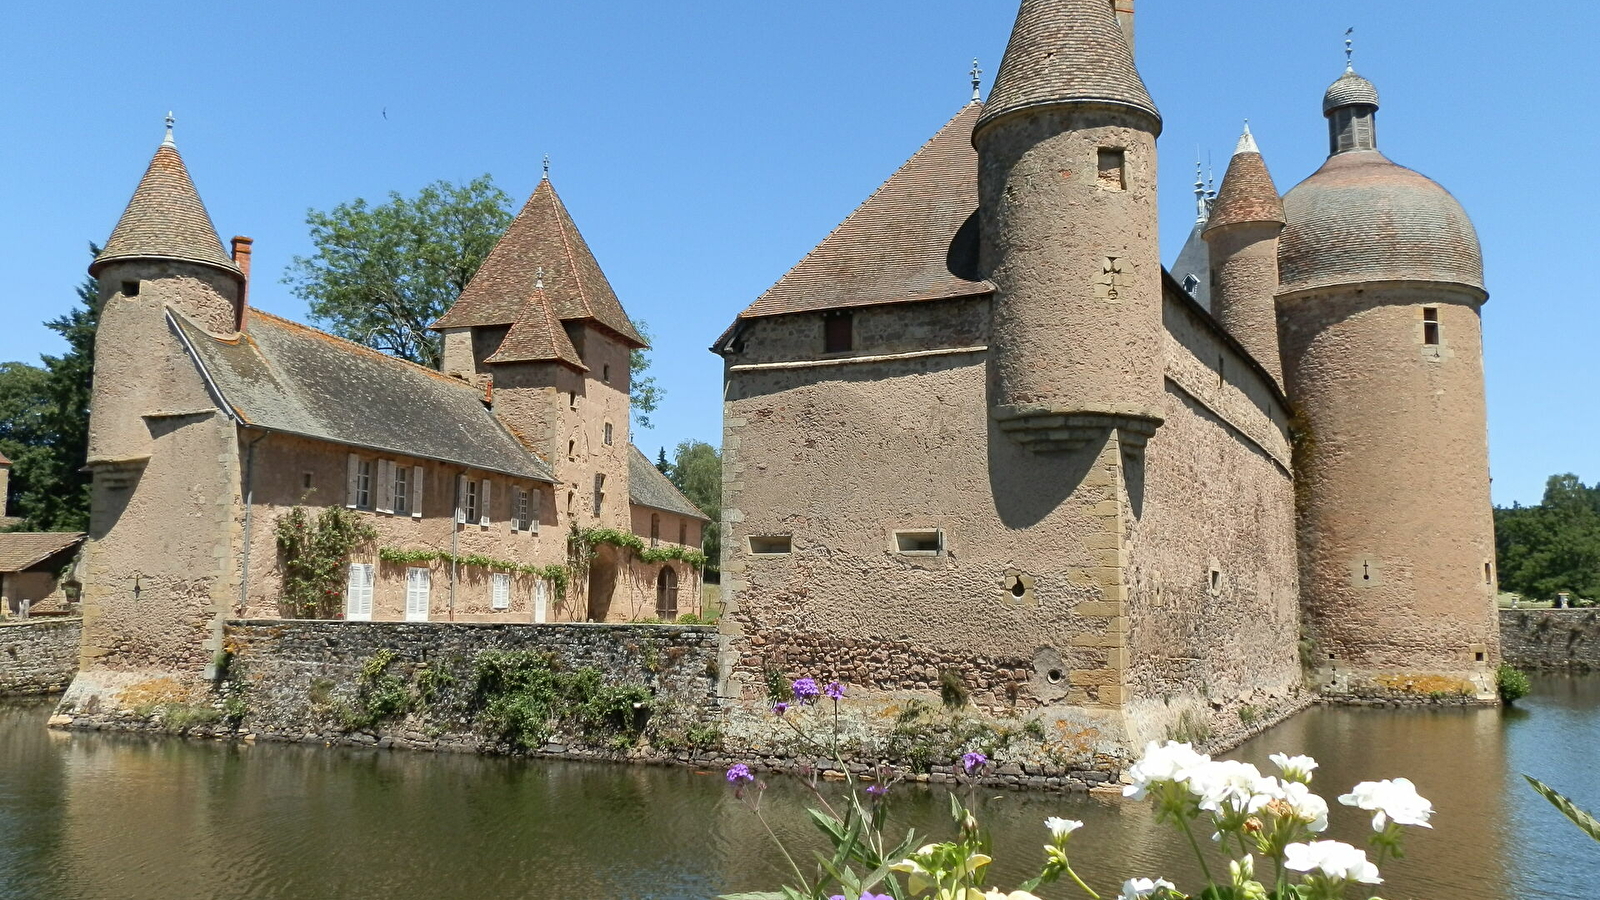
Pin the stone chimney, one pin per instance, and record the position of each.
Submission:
(1124, 10)
(241, 258)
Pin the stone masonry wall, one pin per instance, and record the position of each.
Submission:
(38, 656)
(1560, 639)
(289, 680)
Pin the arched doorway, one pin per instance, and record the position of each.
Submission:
(667, 594)
(602, 583)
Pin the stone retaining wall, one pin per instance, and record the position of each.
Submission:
(1559, 639)
(38, 656)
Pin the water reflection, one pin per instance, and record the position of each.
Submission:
(105, 816)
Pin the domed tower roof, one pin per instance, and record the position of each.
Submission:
(1361, 218)
(166, 219)
(1066, 51)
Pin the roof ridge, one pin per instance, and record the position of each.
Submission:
(566, 248)
(664, 479)
(965, 107)
(363, 348)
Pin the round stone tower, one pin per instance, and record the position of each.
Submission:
(1242, 235)
(1067, 207)
(1379, 312)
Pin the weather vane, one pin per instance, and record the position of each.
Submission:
(547, 165)
(1349, 50)
(170, 120)
(977, 81)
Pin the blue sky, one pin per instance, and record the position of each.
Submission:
(704, 147)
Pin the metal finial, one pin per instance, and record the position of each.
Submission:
(1202, 210)
(538, 279)
(168, 141)
(977, 82)
(1349, 50)
(547, 167)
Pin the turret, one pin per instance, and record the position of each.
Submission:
(1067, 207)
(163, 255)
(1382, 283)
(1242, 234)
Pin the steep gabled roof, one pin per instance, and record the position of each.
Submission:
(1066, 51)
(915, 238)
(4, 461)
(537, 336)
(542, 243)
(22, 550)
(165, 219)
(283, 376)
(647, 486)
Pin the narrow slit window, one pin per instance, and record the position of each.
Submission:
(572, 449)
(770, 544)
(1430, 326)
(655, 529)
(608, 434)
(1113, 169)
(599, 493)
(572, 399)
(1488, 573)
(605, 374)
(838, 333)
(920, 542)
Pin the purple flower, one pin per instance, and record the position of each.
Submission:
(805, 690)
(779, 708)
(877, 791)
(739, 772)
(973, 761)
(834, 690)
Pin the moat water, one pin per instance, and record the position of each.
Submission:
(108, 817)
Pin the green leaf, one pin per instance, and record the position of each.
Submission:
(1588, 823)
(756, 895)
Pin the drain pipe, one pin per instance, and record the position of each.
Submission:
(456, 522)
(249, 508)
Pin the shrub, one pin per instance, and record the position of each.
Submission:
(1512, 682)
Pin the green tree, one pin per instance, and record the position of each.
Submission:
(1554, 546)
(662, 464)
(697, 472)
(45, 428)
(383, 273)
(643, 391)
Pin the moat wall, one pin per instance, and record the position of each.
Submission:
(1551, 639)
(38, 656)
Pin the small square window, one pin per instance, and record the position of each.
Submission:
(838, 333)
(1113, 169)
(130, 289)
(770, 544)
(920, 542)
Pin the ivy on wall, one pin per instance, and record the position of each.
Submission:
(557, 575)
(314, 552)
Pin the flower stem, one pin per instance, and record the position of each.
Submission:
(804, 885)
(1079, 882)
(1195, 845)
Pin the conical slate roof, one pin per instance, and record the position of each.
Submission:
(915, 238)
(542, 238)
(537, 336)
(165, 219)
(1063, 51)
(1247, 193)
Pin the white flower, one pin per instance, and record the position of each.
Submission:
(1334, 859)
(1296, 799)
(1395, 800)
(1224, 785)
(1171, 762)
(1242, 870)
(1060, 828)
(1140, 888)
(1294, 768)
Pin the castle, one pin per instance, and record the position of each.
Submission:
(212, 420)
(980, 444)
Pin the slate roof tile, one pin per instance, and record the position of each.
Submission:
(20, 550)
(165, 219)
(647, 486)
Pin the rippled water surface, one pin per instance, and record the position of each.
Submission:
(92, 816)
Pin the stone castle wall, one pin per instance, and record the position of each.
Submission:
(38, 656)
(1551, 639)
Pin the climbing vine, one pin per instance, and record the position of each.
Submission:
(558, 575)
(314, 552)
(582, 542)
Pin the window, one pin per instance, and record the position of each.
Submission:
(1488, 573)
(467, 502)
(667, 594)
(419, 586)
(483, 502)
(922, 542)
(305, 481)
(1430, 326)
(838, 332)
(1113, 169)
(655, 529)
(358, 490)
(572, 449)
(402, 490)
(770, 544)
(358, 593)
(500, 590)
(1215, 580)
(683, 533)
(608, 434)
(519, 511)
(572, 503)
(130, 289)
(605, 373)
(599, 493)
(572, 399)
(1190, 283)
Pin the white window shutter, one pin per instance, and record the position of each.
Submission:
(483, 502)
(500, 597)
(352, 478)
(541, 602)
(352, 592)
(416, 492)
(534, 501)
(461, 499)
(385, 498)
(366, 595)
(419, 584)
